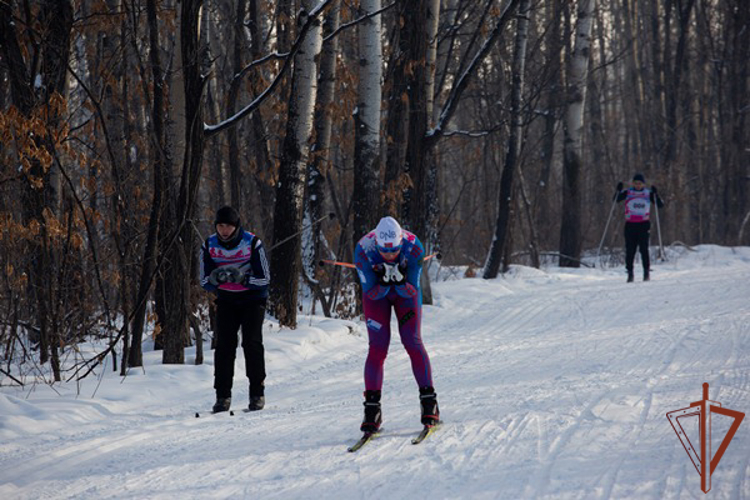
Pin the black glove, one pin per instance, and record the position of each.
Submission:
(225, 274)
(379, 270)
(653, 189)
(618, 190)
(217, 277)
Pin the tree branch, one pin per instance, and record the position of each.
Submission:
(462, 83)
(11, 377)
(357, 21)
(211, 130)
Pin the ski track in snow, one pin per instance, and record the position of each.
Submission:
(552, 384)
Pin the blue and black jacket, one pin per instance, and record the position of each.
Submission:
(244, 251)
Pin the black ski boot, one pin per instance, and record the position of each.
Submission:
(646, 274)
(630, 277)
(430, 410)
(222, 404)
(256, 403)
(257, 397)
(373, 417)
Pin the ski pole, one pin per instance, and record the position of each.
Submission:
(658, 228)
(606, 227)
(337, 263)
(436, 255)
(352, 266)
(329, 216)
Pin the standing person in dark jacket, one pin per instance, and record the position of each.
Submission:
(233, 265)
(638, 200)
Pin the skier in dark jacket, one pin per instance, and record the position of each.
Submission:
(233, 265)
(638, 200)
(389, 264)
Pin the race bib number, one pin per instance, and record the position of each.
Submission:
(638, 207)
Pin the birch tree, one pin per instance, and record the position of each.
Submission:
(320, 155)
(570, 230)
(323, 123)
(367, 121)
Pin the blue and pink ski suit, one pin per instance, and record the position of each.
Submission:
(405, 299)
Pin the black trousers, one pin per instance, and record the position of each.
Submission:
(636, 238)
(229, 318)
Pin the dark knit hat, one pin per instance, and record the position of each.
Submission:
(227, 215)
(639, 177)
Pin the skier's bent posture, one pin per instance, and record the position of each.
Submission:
(389, 264)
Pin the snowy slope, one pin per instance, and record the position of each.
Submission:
(552, 384)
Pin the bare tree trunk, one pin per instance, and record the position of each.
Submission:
(238, 47)
(159, 161)
(395, 128)
(634, 93)
(533, 237)
(432, 206)
(734, 145)
(169, 225)
(367, 121)
(675, 95)
(570, 231)
(285, 259)
(433, 22)
(414, 40)
(514, 144)
(322, 124)
(213, 35)
(116, 118)
(264, 165)
(285, 17)
(177, 279)
(542, 190)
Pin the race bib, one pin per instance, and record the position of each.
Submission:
(637, 206)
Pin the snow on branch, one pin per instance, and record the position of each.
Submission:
(357, 21)
(211, 130)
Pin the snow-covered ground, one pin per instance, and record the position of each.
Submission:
(552, 383)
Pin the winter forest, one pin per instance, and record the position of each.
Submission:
(495, 130)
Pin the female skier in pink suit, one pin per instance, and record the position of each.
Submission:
(389, 264)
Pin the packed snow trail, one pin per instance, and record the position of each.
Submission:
(551, 383)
